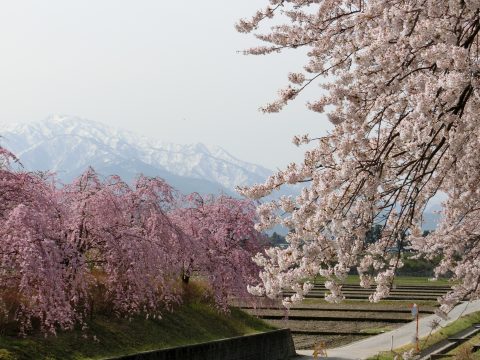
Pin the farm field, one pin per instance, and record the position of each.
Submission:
(400, 280)
(315, 320)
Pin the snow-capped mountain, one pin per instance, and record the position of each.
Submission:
(68, 145)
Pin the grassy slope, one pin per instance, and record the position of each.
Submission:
(467, 347)
(191, 323)
(459, 325)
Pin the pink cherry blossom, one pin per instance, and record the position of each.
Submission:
(100, 244)
(221, 243)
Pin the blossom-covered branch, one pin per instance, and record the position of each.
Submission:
(401, 85)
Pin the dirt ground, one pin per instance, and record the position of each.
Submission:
(333, 326)
(338, 314)
(308, 342)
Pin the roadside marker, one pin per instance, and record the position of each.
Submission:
(415, 315)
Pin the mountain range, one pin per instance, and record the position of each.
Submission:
(68, 145)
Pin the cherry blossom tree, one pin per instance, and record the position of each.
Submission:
(400, 83)
(66, 251)
(221, 243)
(36, 282)
(101, 245)
(125, 240)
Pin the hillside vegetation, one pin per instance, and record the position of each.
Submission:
(191, 323)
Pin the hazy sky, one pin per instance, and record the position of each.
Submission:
(166, 69)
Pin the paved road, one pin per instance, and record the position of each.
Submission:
(401, 336)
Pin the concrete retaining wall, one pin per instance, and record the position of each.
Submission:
(272, 345)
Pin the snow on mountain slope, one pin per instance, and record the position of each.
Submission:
(68, 145)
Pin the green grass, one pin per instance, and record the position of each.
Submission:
(190, 323)
(399, 280)
(467, 347)
(458, 325)
(416, 280)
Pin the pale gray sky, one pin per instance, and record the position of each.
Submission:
(166, 69)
